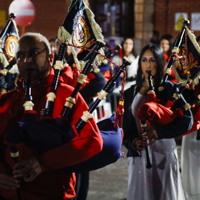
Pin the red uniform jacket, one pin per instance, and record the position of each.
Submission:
(50, 184)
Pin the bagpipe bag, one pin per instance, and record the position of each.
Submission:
(179, 113)
(168, 123)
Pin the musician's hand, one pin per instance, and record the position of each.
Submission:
(27, 169)
(150, 134)
(140, 145)
(8, 182)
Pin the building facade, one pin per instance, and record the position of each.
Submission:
(117, 18)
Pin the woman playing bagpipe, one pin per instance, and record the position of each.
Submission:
(162, 180)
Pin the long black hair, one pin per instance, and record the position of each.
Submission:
(159, 57)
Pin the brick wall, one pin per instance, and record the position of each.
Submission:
(157, 14)
(164, 18)
(49, 16)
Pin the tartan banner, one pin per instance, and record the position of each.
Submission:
(9, 38)
(80, 29)
(188, 60)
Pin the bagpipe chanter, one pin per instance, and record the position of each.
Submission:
(59, 130)
(180, 107)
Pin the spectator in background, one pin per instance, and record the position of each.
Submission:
(128, 51)
(155, 38)
(54, 48)
(166, 45)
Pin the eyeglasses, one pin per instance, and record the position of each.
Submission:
(33, 53)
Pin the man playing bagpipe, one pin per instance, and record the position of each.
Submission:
(35, 176)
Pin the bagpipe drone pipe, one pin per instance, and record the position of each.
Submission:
(49, 133)
(169, 112)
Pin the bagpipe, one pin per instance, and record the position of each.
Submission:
(48, 132)
(169, 111)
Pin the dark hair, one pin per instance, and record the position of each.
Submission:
(159, 57)
(169, 38)
(133, 52)
(55, 40)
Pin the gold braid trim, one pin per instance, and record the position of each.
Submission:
(193, 39)
(176, 96)
(82, 78)
(28, 105)
(70, 102)
(187, 106)
(102, 94)
(98, 60)
(196, 80)
(189, 81)
(76, 61)
(51, 96)
(95, 27)
(86, 115)
(59, 65)
(63, 35)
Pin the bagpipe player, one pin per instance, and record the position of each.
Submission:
(162, 179)
(37, 176)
